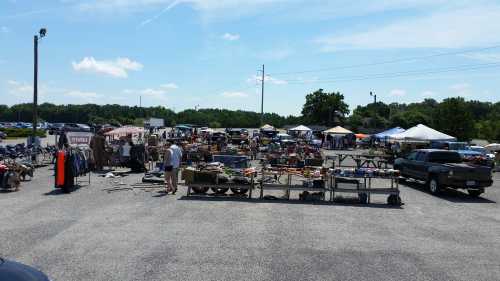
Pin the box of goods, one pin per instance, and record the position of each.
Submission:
(188, 175)
(315, 162)
(205, 177)
(232, 161)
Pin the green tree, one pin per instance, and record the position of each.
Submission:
(214, 124)
(453, 118)
(324, 108)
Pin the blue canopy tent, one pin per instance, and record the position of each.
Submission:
(386, 134)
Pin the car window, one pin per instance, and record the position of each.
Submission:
(421, 156)
(412, 156)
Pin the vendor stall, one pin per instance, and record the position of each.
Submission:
(421, 133)
(361, 181)
(135, 132)
(227, 172)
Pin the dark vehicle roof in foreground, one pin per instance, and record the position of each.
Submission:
(430, 150)
(441, 155)
(14, 271)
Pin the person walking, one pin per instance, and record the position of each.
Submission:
(167, 165)
(173, 157)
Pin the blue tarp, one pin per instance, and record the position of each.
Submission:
(388, 133)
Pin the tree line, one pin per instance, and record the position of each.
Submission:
(464, 119)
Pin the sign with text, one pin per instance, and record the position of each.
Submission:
(79, 138)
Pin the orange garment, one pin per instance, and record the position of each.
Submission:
(60, 168)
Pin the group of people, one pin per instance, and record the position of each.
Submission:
(339, 142)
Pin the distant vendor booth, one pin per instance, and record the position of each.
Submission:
(125, 131)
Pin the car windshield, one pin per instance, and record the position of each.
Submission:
(479, 149)
(444, 157)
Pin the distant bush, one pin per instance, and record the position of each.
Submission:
(21, 133)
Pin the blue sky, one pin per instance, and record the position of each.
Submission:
(207, 53)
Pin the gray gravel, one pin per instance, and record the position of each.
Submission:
(91, 234)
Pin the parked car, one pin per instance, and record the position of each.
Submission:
(55, 128)
(483, 151)
(3, 135)
(444, 168)
(74, 127)
(237, 136)
(14, 271)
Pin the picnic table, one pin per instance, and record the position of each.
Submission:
(365, 160)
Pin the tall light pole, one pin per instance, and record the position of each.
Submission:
(374, 97)
(42, 34)
(262, 97)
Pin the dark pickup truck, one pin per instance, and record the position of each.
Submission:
(444, 168)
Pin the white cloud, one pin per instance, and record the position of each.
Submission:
(234, 94)
(118, 68)
(86, 96)
(428, 94)
(172, 86)
(461, 89)
(153, 93)
(231, 37)
(398, 93)
(458, 28)
(20, 89)
(484, 57)
(268, 79)
(155, 17)
(213, 10)
(276, 54)
(157, 93)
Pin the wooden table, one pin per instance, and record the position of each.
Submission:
(364, 188)
(364, 160)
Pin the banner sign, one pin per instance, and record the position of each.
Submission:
(79, 138)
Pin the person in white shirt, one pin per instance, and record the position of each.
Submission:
(173, 157)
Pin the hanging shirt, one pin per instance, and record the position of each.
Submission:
(176, 156)
(126, 150)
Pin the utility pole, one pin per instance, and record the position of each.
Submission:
(42, 34)
(374, 97)
(35, 87)
(140, 101)
(262, 98)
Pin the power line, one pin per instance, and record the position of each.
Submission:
(398, 74)
(385, 62)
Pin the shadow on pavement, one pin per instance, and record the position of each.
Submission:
(343, 202)
(451, 195)
(59, 191)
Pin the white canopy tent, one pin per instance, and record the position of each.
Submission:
(421, 133)
(300, 128)
(493, 147)
(267, 127)
(337, 131)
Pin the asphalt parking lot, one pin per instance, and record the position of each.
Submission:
(93, 234)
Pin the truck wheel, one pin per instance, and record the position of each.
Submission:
(434, 187)
(199, 190)
(239, 191)
(363, 198)
(394, 200)
(475, 192)
(219, 191)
